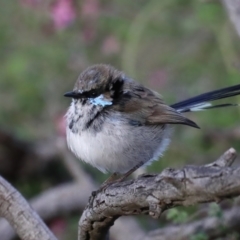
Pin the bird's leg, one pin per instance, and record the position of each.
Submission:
(110, 179)
(106, 183)
(129, 172)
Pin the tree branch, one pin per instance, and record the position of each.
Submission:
(211, 226)
(20, 215)
(152, 194)
(74, 197)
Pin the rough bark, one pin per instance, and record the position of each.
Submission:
(152, 194)
(74, 197)
(20, 215)
(213, 227)
(149, 194)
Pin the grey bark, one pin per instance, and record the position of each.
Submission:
(149, 194)
(152, 194)
(20, 215)
(211, 226)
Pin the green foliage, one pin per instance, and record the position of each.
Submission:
(199, 236)
(180, 38)
(179, 48)
(177, 216)
(211, 14)
(215, 211)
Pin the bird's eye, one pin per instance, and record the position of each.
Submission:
(93, 94)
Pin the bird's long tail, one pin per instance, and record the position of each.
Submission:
(203, 101)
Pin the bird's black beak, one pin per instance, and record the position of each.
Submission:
(72, 94)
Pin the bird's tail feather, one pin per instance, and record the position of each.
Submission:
(202, 102)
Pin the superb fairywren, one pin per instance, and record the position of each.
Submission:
(118, 125)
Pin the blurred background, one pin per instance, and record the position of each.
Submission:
(178, 48)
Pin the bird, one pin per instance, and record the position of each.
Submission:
(117, 125)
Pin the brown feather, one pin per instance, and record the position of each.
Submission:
(129, 97)
(148, 107)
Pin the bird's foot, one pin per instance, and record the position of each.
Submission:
(105, 185)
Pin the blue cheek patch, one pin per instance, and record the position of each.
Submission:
(100, 100)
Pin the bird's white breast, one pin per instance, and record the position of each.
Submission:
(91, 149)
(117, 146)
(115, 149)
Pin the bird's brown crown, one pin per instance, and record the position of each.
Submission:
(98, 77)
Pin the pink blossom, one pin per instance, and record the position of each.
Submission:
(58, 226)
(110, 45)
(63, 13)
(90, 9)
(88, 33)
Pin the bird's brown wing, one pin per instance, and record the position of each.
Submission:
(147, 107)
